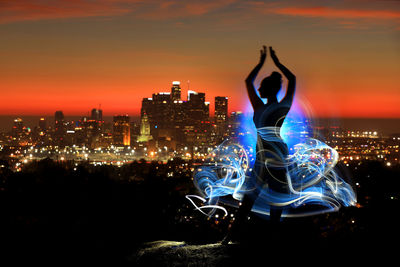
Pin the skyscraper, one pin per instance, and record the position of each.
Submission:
(198, 108)
(148, 109)
(176, 91)
(42, 124)
(144, 129)
(97, 114)
(96, 122)
(58, 117)
(179, 118)
(160, 114)
(174, 120)
(221, 109)
(235, 121)
(162, 110)
(17, 128)
(59, 127)
(121, 129)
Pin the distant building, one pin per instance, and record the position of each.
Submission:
(198, 109)
(42, 124)
(88, 130)
(20, 134)
(58, 117)
(160, 113)
(17, 128)
(221, 109)
(176, 91)
(179, 118)
(145, 135)
(121, 133)
(96, 124)
(235, 121)
(236, 117)
(59, 127)
(97, 114)
(161, 117)
(148, 109)
(175, 121)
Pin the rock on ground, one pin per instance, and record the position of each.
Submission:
(174, 253)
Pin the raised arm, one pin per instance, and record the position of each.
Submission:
(254, 98)
(288, 74)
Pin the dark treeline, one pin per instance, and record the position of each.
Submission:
(59, 210)
(67, 212)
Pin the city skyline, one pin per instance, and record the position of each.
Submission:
(167, 122)
(56, 56)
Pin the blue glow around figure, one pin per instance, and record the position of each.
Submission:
(312, 175)
(274, 166)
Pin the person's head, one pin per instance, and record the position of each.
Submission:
(271, 85)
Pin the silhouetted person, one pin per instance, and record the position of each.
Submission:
(270, 167)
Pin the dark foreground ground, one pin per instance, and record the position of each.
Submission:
(53, 214)
(297, 244)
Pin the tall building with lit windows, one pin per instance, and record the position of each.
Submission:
(176, 91)
(162, 110)
(145, 135)
(221, 109)
(197, 108)
(59, 127)
(174, 120)
(96, 123)
(17, 128)
(121, 130)
(42, 124)
(147, 108)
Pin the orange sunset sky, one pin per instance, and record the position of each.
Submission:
(74, 55)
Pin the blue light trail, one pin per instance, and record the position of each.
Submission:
(314, 183)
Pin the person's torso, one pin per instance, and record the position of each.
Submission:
(268, 120)
(270, 115)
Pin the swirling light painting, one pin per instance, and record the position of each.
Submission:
(314, 181)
